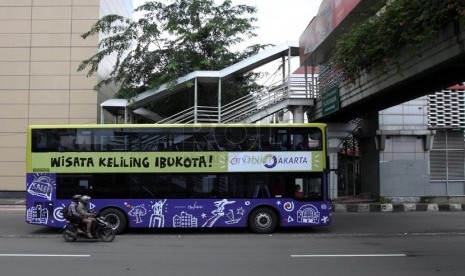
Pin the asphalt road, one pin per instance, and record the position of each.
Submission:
(356, 244)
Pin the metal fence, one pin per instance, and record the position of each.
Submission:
(297, 87)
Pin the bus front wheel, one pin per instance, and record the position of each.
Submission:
(263, 220)
(115, 219)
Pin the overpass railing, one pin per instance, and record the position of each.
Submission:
(291, 87)
(204, 114)
(297, 87)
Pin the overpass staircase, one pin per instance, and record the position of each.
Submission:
(290, 91)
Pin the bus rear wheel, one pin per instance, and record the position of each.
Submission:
(263, 220)
(115, 218)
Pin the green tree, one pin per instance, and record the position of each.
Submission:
(171, 39)
(400, 24)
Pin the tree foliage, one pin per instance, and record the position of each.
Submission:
(170, 39)
(400, 24)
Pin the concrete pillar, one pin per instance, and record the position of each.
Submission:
(334, 145)
(333, 177)
(298, 113)
(195, 100)
(370, 157)
(102, 115)
(219, 100)
(337, 132)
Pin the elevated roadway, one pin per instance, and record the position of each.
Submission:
(438, 65)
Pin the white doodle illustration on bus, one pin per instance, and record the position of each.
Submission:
(37, 214)
(157, 219)
(58, 213)
(218, 212)
(41, 186)
(232, 219)
(184, 220)
(308, 214)
(138, 212)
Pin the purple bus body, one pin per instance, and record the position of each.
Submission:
(43, 208)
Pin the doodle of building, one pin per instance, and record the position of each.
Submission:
(184, 220)
(157, 219)
(308, 214)
(37, 214)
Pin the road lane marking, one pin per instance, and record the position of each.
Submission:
(348, 255)
(44, 255)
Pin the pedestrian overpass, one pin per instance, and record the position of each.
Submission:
(438, 65)
(291, 90)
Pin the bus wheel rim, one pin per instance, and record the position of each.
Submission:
(263, 220)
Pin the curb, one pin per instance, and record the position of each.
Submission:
(12, 201)
(401, 207)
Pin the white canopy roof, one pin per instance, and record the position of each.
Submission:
(118, 106)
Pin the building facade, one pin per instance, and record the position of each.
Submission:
(419, 147)
(40, 50)
(446, 114)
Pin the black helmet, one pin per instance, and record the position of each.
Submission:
(84, 199)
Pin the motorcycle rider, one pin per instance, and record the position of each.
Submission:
(87, 217)
(73, 214)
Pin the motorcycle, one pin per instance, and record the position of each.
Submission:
(101, 231)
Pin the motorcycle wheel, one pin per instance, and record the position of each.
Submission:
(69, 236)
(106, 234)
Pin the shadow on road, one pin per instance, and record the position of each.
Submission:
(202, 231)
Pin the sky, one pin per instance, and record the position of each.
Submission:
(278, 20)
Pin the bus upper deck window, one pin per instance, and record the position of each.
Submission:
(307, 139)
(314, 139)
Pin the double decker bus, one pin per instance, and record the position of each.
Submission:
(260, 176)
